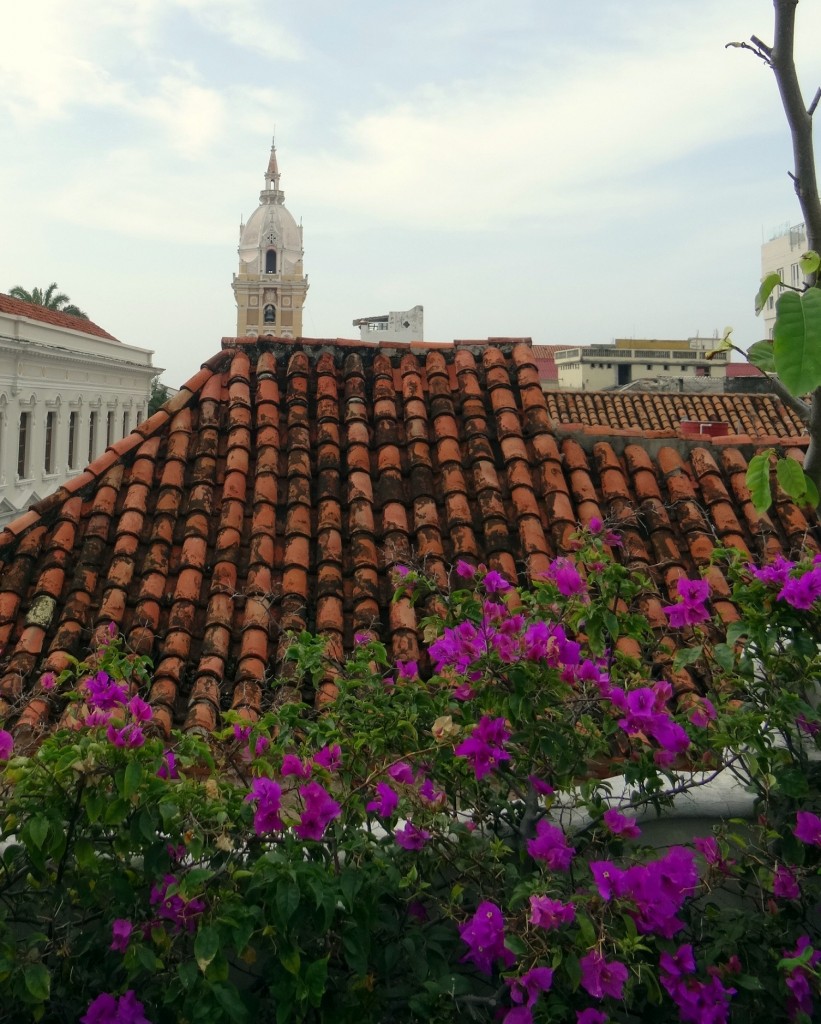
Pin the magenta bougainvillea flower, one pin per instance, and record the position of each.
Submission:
(602, 977)
(698, 1002)
(108, 1009)
(401, 772)
(484, 935)
(591, 1016)
(776, 573)
(386, 802)
(808, 828)
(495, 583)
(620, 825)
(410, 837)
(268, 795)
(567, 577)
(320, 810)
(171, 906)
(703, 713)
(785, 885)
(293, 765)
(798, 980)
(690, 608)
(128, 736)
(140, 711)
(551, 846)
(103, 693)
(548, 913)
(168, 767)
(329, 757)
(6, 744)
(121, 930)
(465, 570)
(529, 986)
(484, 748)
(802, 591)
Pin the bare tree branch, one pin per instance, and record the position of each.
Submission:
(814, 104)
(762, 54)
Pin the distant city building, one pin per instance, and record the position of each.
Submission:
(780, 255)
(68, 390)
(406, 325)
(594, 367)
(546, 365)
(271, 285)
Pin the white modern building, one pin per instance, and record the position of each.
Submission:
(405, 325)
(593, 367)
(781, 254)
(68, 389)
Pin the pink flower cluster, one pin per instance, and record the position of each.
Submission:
(111, 707)
(799, 978)
(484, 935)
(698, 1002)
(181, 913)
(654, 892)
(484, 749)
(645, 711)
(798, 587)
(690, 608)
(108, 1009)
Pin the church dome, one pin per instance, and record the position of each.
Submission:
(271, 238)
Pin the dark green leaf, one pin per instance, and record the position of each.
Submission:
(38, 981)
(573, 970)
(813, 499)
(287, 899)
(231, 1001)
(206, 946)
(315, 980)
(133, 778)
(797, 341)
(765, 289)
(760, 354)
(758, 481)
(291, 961)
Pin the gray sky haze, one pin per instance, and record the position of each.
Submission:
(573, 172)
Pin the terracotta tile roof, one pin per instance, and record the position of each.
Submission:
(278, 489)
(753, 415)
(15, 307)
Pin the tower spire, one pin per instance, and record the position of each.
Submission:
(272, 173)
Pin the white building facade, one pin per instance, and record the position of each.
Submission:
(67, 391)
(405, 325)
(781, 255)
(593, 367)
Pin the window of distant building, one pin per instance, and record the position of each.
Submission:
(139, 417)
(109, 429)
(51, 431)
(73, 421)
(126, 422)
(269, 315)
(795, 275)
(270, 262)
(23, 444)
(92, 435)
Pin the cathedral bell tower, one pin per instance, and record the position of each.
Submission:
(271, 285)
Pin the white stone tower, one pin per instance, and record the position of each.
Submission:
(271, 285)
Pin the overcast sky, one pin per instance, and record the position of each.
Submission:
(569, 170)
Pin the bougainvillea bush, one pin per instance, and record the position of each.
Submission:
(468, 843)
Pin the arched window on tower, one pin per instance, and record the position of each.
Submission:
(271, 261)
(269, 315)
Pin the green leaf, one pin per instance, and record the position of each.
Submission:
(765, 290)
(797, 341)
(760, 354)
(758, 481)
(809, 262)
(287, 899)
(133, 778)
(38, 830)
(206, 946)
(38, 982)
(686, 656)
(791, 478)
(812, 496)
(316, 977)
(291, 961)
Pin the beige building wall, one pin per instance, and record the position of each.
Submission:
(780, 255)
(593, 367)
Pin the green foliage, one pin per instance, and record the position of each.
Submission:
(760, 354)
(810, 262)
(159, 396)
(758, 480)
(797, 341)
(222, 918)
(768, 284)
